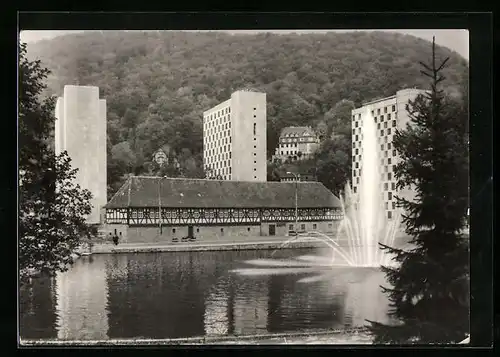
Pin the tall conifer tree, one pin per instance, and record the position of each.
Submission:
(429, 296)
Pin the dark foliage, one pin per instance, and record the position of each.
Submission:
(157, 84)
(52, 208)
(429, 290)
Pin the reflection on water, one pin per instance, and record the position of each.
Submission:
(217, 309)
(82, 297)
(170, 295)
(37, 307)
(250, 310)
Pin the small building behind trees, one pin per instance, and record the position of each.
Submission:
(296, 143)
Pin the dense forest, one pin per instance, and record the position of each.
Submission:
(157, 85)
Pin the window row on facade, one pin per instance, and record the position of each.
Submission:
(387, 195)
(221, 152)
(291, 227)
(217, 137)
(377, 115)
(293, 145)
(307, 139)
(384, 139)
(385, 109)
(218, 159)
(215, 116)
(384, 176)
(211, 216)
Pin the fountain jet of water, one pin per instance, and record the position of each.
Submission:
(365, 223)
(325, 239)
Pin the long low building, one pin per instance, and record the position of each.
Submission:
(213, 209)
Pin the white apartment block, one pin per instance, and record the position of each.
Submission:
(389, 114)
(80, 129)
(235, 139)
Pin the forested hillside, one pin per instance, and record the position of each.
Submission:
(157, 84)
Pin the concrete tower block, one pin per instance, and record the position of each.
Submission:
(59, 126)
(81, 131)
(248, 110)
(102, 155)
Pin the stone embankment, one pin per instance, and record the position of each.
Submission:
(201, 246)
(330, 337)
(250, 243)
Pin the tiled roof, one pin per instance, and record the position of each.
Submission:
(302, 176)
(298, 130)
(143, 191)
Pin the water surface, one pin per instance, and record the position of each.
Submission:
(187, 294)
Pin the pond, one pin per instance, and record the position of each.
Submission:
(190, 294)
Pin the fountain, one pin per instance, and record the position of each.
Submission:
(364, 224)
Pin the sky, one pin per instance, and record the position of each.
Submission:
(456, 40)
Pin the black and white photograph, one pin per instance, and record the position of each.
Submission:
(243, 187)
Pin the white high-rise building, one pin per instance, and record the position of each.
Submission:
(389, 114)
(81, 131)
(234, 138)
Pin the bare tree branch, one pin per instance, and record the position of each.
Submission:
(443, 64)
(426, 66)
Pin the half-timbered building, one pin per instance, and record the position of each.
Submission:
(155, 209)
